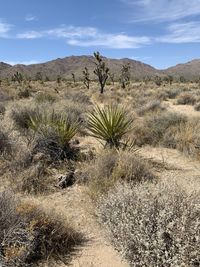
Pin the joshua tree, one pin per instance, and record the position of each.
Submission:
(59, 79)
(38, 76)
(170, 79)
(125, 75)
(112, 77)
(73, 78)
(17, 77)
(86, 78)
(101, 71)
(158, 81)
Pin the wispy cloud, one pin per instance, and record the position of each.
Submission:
(4, 29)
(164, 10)
(21, 62)
(188, 32)
(30, 35)
(30, 17)
(88, 36)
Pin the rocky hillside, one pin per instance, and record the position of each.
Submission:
(190, 70)
(64, 67)
(76, 64)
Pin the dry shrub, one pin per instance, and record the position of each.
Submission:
(111, 167)
(2, 109)
(153, 224)
(154, 126)
(197, 106)
(184, 137)
(29, 234)
(6, 145)
(78, 97)
(152, 106)
(21, 116)
(186, 99)
(42, 97)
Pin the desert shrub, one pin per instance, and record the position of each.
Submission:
(4, 97)
(54, 133)
(152, 106)
(111, 167)
(29, 234)
(154, 126)
(186, 99)
(184, 137)
(42, 97)
(197, 106)
(6, 146)
(35, 180)
(2, 109)
(21, 117)
(173, 93)
(24, 93)
(78, 97)
(153, 224)
(109, 124)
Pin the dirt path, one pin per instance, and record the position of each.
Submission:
(182, 169)
(75, 206)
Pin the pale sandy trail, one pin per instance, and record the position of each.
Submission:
(74, 204)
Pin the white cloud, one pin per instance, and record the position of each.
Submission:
(88, 36)
(188, 32)
(111, 41)
(29, 35)
(4, 29)
(164, 10)
(21, 62)
(30, 17)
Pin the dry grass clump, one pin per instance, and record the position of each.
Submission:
(42, 97)
(78, 97)
(29, 234)
(152, 129)
(197, 106)
(153, 224)
(111, 167)
(6, 145)
(186, 99)
(173, 93)
(185, 137)
(152, 106)
(21, 116)
(2, 109)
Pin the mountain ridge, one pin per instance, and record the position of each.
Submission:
(75, 64)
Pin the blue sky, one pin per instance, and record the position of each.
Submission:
(158, 32)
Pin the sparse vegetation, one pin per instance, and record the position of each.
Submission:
(146, 224)
(50, 157)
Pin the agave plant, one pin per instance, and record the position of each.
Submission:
(109, 124)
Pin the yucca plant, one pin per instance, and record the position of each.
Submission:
(109, 124)
(54, 133)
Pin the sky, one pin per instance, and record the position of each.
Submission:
(161, 33)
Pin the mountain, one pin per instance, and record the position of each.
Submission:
(4, 66)
(75, 64)
(64, 67)
(189, 70)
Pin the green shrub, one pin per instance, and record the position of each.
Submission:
(153, 224)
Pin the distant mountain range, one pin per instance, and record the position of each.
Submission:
(75, 64)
